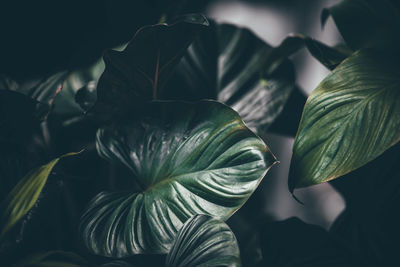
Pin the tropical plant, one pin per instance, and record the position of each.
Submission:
(171, 132)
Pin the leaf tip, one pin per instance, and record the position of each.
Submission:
(297, 199)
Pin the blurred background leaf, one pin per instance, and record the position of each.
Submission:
(365, 23)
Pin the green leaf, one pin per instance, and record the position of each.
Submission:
(48, 88)
(52, 258)
(86, 77)
(7, 83)
(189, 158)
(204, 241)
(79, 88)
(330, 57)
(232, 65)
(351, 118)
(44, 90)
(365, 22)
(24, 195)
(138, 73)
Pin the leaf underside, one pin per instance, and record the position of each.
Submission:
(232, 65)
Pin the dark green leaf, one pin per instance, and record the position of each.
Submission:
(232, 65)
(139, 72)
(370, 224)
(330, 57)
(189, 159)
(48, 88)
(351, 118)
(80, 79)
(204, 241)
(293, 243)
(24, 196)
(43, 91)
(7, 83)
(52, 259)
(19, 123)
(288, 120)
(365, 22)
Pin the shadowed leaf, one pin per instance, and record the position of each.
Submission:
(137, 74)
(232, 65)
(364, 23)
(24, 196)
(330, 57)
(369, 225)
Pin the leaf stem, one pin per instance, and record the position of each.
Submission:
(155, 84)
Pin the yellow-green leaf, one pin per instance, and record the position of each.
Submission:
(24, 195)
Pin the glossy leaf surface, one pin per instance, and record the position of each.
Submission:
(204, 241)
(189, 158)
(24, 196)
(351, 118)
(139, 72)
(232, 65)
(363, 23)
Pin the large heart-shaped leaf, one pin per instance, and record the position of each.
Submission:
(232, 65)
(138, 73)
(351, 118)
(365, 22)
(24, 196)
(189, 158)
(204, 241)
